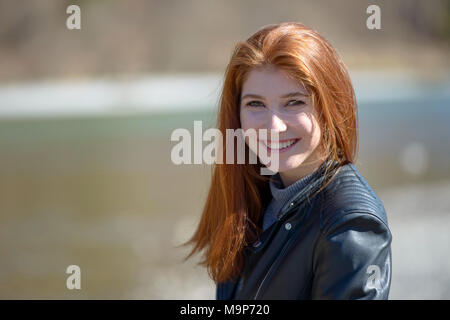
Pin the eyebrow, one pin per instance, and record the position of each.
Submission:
(288, 95)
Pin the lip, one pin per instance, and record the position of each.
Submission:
(284, 140)
(283, 149)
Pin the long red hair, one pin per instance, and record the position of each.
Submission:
(238, 193)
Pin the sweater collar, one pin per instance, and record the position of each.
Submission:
(281, 194)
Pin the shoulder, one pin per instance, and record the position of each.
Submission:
(352, 255)
(349, 195)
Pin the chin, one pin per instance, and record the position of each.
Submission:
(287, 168)
(292, 163)
(288, 165)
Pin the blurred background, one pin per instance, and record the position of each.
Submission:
(86, 117)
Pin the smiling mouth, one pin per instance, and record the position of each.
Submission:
(282, 145)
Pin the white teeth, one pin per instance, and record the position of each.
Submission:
(280, 145)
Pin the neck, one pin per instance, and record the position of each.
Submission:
(309, 166)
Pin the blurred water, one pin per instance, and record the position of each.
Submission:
(101, 192)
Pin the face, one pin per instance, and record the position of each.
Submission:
(271, 100)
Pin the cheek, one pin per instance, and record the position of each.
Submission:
(308, 128)
(305, 125)
(248, 121)
(246, 124)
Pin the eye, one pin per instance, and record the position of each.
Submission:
(255, 103)
(295, 103)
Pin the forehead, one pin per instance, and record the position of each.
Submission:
(271, 81)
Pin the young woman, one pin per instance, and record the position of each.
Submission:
(315, 229)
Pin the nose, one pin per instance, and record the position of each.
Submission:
(276, 123)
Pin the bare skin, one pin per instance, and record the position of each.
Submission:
(263, 106)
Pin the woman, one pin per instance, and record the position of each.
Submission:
(315, 229)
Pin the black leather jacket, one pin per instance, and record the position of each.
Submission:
(334, 245)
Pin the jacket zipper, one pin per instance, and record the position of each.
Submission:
(283, 252)
(283, 212)
(270, 269)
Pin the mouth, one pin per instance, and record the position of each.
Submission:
(282, 145)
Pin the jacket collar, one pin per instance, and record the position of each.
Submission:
(316, 181)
